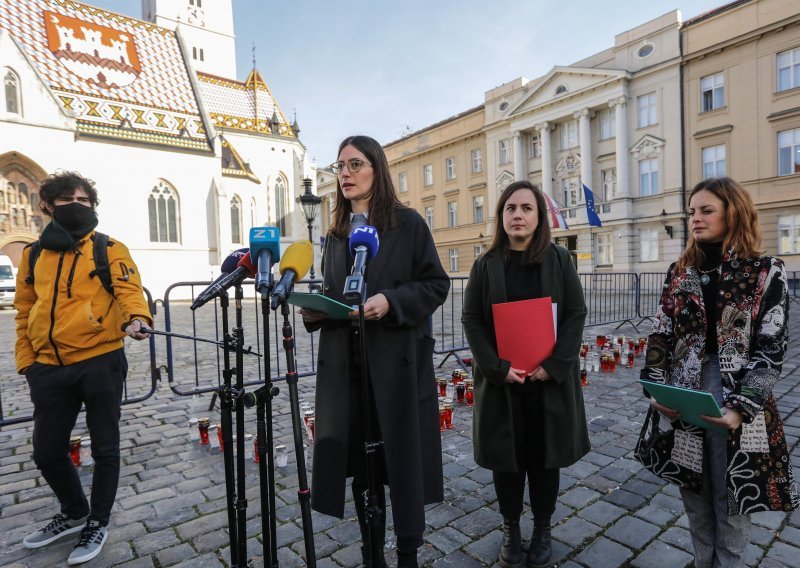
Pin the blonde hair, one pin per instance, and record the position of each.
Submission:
(741, 217)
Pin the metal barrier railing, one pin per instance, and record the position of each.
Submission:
(611, 297)
(140, 384)
(794, 285)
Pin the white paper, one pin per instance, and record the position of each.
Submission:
(754, 436)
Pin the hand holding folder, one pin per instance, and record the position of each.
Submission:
(525, 332)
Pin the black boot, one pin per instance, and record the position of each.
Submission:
(511, 549)
(407, 559)
(540, 548)
(367, 563)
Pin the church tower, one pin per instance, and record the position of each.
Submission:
(206, 27)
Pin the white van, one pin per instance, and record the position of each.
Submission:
(8, 281)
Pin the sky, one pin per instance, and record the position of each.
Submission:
(385, 68)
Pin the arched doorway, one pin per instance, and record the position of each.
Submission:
(21, 220)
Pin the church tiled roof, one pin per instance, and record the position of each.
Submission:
(247, 105)
(120, 77)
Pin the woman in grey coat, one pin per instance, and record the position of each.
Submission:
(526, 424)
(405, 285)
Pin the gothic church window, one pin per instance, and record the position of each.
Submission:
(12, 94)
(281, 209)
(236, 220)
(162, 209)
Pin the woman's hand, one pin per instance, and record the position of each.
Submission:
(311, 316)
(539, 374)
(730, 419)
(670, 413)
(375, 308)
(516, 376)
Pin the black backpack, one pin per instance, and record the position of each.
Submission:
(99, 253)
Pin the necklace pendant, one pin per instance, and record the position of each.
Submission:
(705, 279)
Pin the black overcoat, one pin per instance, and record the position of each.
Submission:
(408, 272)
(565, 431)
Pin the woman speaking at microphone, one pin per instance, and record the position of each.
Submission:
(525, 424)
(405, 285)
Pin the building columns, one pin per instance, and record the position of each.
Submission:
(585, 130)
(519, 158)
(620, 107)
(547, 158)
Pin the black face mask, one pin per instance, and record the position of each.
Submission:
(75, 216)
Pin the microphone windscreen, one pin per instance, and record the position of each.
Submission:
(247, 262)
(298, 257)
(232, 260)
(265, 238)
(366, 236)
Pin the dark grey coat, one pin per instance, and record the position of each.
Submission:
(565, 432)
(408, 272)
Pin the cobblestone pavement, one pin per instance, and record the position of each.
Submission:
(170, 508)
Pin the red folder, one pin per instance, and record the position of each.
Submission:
(525, 332)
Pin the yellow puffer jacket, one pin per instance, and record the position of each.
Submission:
(66, 316)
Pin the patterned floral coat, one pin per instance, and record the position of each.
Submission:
(752, 334)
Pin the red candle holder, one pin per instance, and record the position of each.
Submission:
(256, 457)
(448, 414)
(442, 387)
(461, 390)
(202, 426)
(75, 450)
(470, 396)
(630, 359)
(584, 378)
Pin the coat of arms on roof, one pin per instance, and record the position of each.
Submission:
(96, 53)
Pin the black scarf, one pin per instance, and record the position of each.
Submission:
(57, 237)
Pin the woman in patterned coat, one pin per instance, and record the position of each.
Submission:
(721, 327)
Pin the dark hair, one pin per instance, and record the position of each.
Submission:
(64, 184)
(383, 200)
(744, 233)
(540, 243)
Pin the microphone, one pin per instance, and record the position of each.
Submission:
(240, 267)
(364, 246)
(264, 247)
(295, 264)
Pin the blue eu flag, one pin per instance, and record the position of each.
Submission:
(594, 220)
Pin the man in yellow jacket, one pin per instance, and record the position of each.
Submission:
(69, 346)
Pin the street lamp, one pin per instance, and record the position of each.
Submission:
(310, 204)
(667, 228)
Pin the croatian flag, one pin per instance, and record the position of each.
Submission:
(594, 220)
(556, 216)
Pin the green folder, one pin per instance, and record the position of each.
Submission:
(690, 403)
(320, 303)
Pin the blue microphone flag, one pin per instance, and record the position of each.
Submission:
(265, 238)
(366, 236)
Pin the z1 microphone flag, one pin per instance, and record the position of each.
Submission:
(591, 212)
(556, 216)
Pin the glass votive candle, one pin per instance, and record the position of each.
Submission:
(194, 433)
(601, 340)
(584, 378)
(248, 446)
(86, 452)
(311, 427)
(75, 450)
(256, 456)
(308, 415)
(630, 359)
(216, 440)
(202, 428)
(461, 389)
(616, 356)
(442, 386)
(448, 414)
(470, 396)
(441, 416)
(281, 456)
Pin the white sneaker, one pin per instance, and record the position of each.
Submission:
(89, 545)
(59, 527)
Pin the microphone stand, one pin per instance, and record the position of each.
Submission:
(303, 492)
(226, 403)
(372, 508)
(241, 502)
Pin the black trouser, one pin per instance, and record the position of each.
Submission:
(57, 393)
(527, 411)
(356, 459)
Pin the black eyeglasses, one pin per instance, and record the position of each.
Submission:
(354, 166)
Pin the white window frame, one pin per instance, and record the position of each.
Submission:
(714, 161)
(788, 72)
(402, 182)
(450, 168)
(789, 234)
(429, 217)
(452, 213)
(476, 157)
(789, 152)
(608, 124)
(571, 191)
(504, 151)
(648, 245)
(569, 134)
(477, 250)
(608, 179)
(604, 248)
(477, 209)
(649, 178)
(647, 110)
(427, 175)
(164, 201)
(712, 92)
(453, 255)
(12, 90)
(536, 146)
